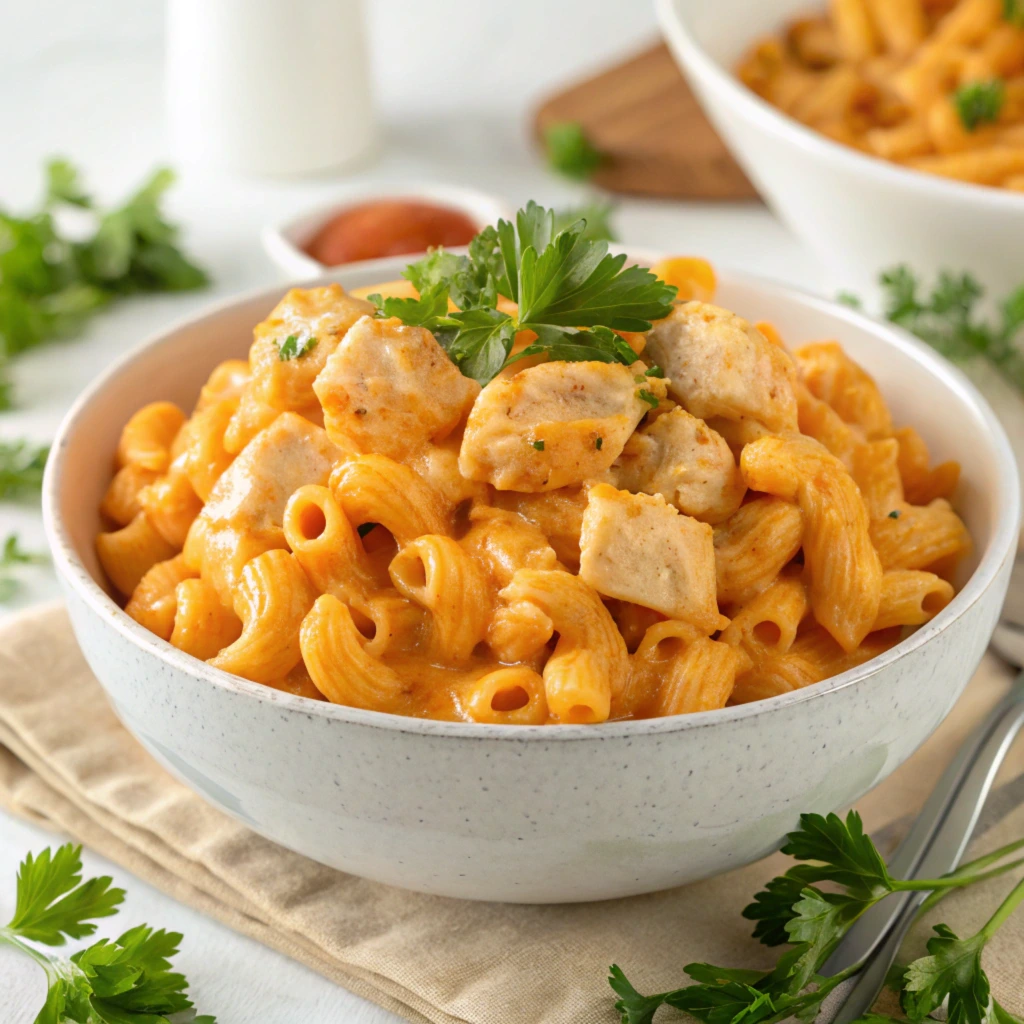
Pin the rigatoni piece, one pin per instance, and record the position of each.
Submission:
(753, 545)
(154, 601)
(272, 599)
(835, 378)
(911, 597)
(508, 696)
(920, 536)
(126, 555)
(333, 651)
(844, 574)
(589, 666)
(440, 576)
(203, 624)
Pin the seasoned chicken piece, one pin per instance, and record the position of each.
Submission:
(554, 424)
(243, 517)
(681, 458)
(282, 384)
(389, 389)
(325, 314)
(718, 365)
(638, 548)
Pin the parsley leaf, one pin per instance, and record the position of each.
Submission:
(569, 291)
(569, 151)
(21, 468)
(597, 215)
(1013, 12)
(50, 285)
(128, 980)
(946, 319)
(851, 855)
(646, 396)
(54, 904)
(63, 185)
(11, 555)
(979, 103)
(295, 348)
(953, 970)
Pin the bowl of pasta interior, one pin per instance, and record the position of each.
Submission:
(599, 628)
(880, 133)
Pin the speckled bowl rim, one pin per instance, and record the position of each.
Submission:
(1001, 546)
(696, 60)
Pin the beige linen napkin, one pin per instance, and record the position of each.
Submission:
(66, 762)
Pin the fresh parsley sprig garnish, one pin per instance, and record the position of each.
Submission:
(793, 910)
(12, 555)
(51, 283)
(570, 151)
(946, 318)
(568, 289)
(127, 980)
(979, 103)
(294, 347)
(21, 468)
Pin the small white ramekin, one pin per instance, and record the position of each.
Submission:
(284, 242)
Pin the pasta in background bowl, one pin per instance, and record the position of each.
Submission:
(860, 213)
(518, 812)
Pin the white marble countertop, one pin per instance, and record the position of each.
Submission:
(84, 80)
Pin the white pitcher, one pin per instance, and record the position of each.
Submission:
(268, 86)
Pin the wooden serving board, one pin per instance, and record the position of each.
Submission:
(655, 137)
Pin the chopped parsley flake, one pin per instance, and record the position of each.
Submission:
(655, 371)
(894, 514)
(295, 348)
(979, 103)
(539, 445)
(644, 395)
(599, 443)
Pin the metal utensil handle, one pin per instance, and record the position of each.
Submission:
(869, 932)
(943, 853)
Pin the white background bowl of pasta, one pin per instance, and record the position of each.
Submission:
(859, 214)
(534, 813)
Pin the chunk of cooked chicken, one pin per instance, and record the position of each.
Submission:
(323, 313)
(637, 547)
(719, 365)
(389, 389)
(243, 517)
(681, 458)
(554, 424)
(286, 385)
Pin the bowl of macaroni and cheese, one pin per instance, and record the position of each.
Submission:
(567, 630)
(880, 133)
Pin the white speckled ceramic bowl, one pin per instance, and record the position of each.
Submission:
(858, 213)
(533, 814)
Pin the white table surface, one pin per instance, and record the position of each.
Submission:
(84, 80)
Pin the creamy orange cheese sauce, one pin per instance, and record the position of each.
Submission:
(346, 517)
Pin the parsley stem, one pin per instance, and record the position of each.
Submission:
(1006, 908)
(983, 876)
(9, 938)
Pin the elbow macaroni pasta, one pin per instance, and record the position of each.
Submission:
(331, 563)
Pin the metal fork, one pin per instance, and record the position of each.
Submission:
(933, 847)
